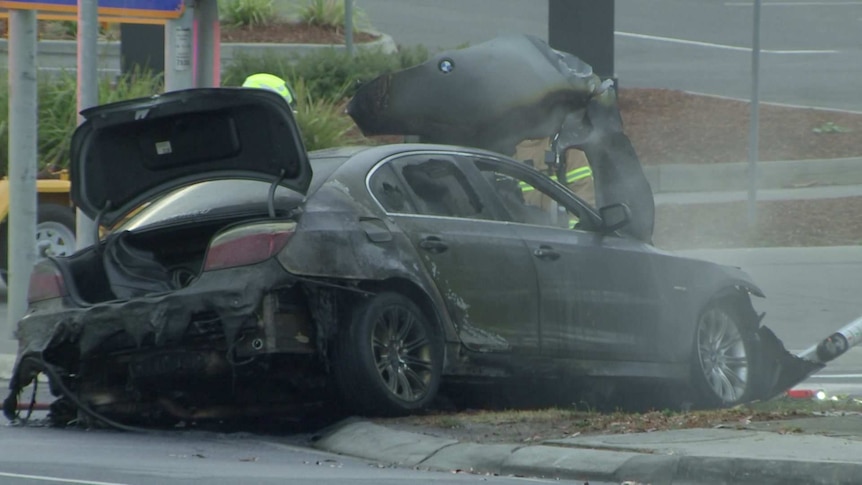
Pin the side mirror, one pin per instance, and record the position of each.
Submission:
(614, 216)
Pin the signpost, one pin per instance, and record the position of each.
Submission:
(23, 164)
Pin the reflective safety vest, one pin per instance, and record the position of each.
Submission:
(271, 82)
(572, 176)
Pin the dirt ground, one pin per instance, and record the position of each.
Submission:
(675, 127)
(531, 426)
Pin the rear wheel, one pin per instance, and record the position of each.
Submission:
(723, 364)
(389, 360)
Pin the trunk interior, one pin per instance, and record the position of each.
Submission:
(126, 264)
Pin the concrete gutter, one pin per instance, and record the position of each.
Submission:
(695, 456)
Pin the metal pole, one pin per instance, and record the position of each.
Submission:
(754, 124)
(178, 51)
(88, 92)
(348, 26)
(206, 45)
(23, 162)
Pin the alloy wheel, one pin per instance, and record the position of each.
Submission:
(722, 355)
(402, 354)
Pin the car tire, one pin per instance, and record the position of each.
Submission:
(723, 363)
(389, 360)
(55, 225)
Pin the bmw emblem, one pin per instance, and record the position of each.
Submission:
(446, 66)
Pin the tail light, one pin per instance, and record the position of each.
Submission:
(46, 282)
(248, 244)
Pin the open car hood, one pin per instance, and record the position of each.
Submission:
(128, 152)
(491, 95)
(512, 88)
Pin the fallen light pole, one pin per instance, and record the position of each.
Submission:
(836, 344)
(785, 370)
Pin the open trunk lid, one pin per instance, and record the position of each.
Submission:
(129, 152)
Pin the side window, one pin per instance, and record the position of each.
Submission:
(525, 202)
(439, 188)
(388, 190)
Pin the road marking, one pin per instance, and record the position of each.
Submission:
(697, 43)
(836, 376)
(794, 4)
(56, 479)
(786, 105)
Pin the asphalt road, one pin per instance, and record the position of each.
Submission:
(33, 456)
(812, 50)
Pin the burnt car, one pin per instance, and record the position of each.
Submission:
(244, 272)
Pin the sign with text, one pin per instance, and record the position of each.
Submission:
(154, 9)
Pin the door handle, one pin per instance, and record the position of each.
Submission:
(433, 244)
(546, 252)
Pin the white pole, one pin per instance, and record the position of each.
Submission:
(207, 65)
(88, 92)
(754, 124)
(348, 26)
(23, 162)
(178, 51)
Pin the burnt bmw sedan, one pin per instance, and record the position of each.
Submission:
(243, 272)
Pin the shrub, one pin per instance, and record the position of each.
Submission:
(322, 122)
(248, 13)
(328, 73)
(244, 65)
(58, 115)
(331, 14)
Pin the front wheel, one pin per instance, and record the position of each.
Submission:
(723, 362)
(389, 360)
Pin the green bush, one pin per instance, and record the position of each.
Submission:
(331, 14)
(328, 73)
(322, 122)
(57, 111)
(247, 13)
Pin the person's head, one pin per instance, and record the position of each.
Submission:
(273, 83)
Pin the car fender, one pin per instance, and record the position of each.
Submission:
(339, 238)
(692, 285)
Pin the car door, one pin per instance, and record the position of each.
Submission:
(596, 298)
(479, 264)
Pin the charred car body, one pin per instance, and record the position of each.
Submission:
(242, 280)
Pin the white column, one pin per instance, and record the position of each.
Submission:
(88, 93)
(207, 48)
(23, 163)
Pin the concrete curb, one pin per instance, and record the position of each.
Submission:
(549, 460)
(722, 177)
